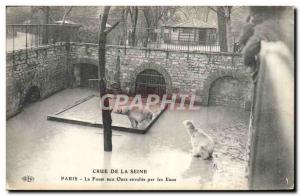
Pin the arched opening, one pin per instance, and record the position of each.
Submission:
(83, 74)
(227, 91)
(150, 81)
(32, 95)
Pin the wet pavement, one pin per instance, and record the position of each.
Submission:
(48, 150)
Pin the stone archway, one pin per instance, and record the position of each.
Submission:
(229, 76)
(84, 69)
(157, 68)
(150, 81)
(32, 95)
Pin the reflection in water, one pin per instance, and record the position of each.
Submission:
(106, 162)
(202, 169)
(47, 150)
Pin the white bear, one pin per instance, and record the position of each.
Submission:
(203, 145)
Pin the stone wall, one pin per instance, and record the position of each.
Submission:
(55, 67)
(44, 67)
(227, 91)
(184, 73)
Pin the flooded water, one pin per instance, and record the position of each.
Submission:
(49, 150)
(89, 110)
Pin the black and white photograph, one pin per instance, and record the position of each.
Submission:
(156, 98)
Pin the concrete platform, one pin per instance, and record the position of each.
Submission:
(87, 112)
(49, 150)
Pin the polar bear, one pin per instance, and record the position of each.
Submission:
(137, 116)
(203, 145)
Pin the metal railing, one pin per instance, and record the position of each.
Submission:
(24, 36)
(157, 38)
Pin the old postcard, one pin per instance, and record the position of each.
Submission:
(150, 98)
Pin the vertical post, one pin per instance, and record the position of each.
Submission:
(36, 39)
(189, 46)
(31, 36)
(26, 41)
(26, 36)
(233, 51)
(13, 41)
(210, 41)
(46, 17)
(168, 39)
(125, 43)
(38, 35)
(234, 44)
(13, 45)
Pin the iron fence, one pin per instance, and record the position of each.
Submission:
(190, 42)
(24, 36)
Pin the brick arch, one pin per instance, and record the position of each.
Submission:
(34, 83)
(155, 67)
(242, 77)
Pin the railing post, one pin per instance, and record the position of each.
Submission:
(26, 42)
(189, 46)
(125, 44)
(13, 45)
(210, 42)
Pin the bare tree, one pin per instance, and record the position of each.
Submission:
(65, 33)
(106, 113)
(133, 11)
(153, 15)
(124, 25)
(224, 27)
(67, 12)
(193, 12)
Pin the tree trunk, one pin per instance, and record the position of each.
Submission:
(136, 11)
(106, 115)
(147, 37)
(124, 25)
(229, 35)
(222, 29)
(146, 12)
